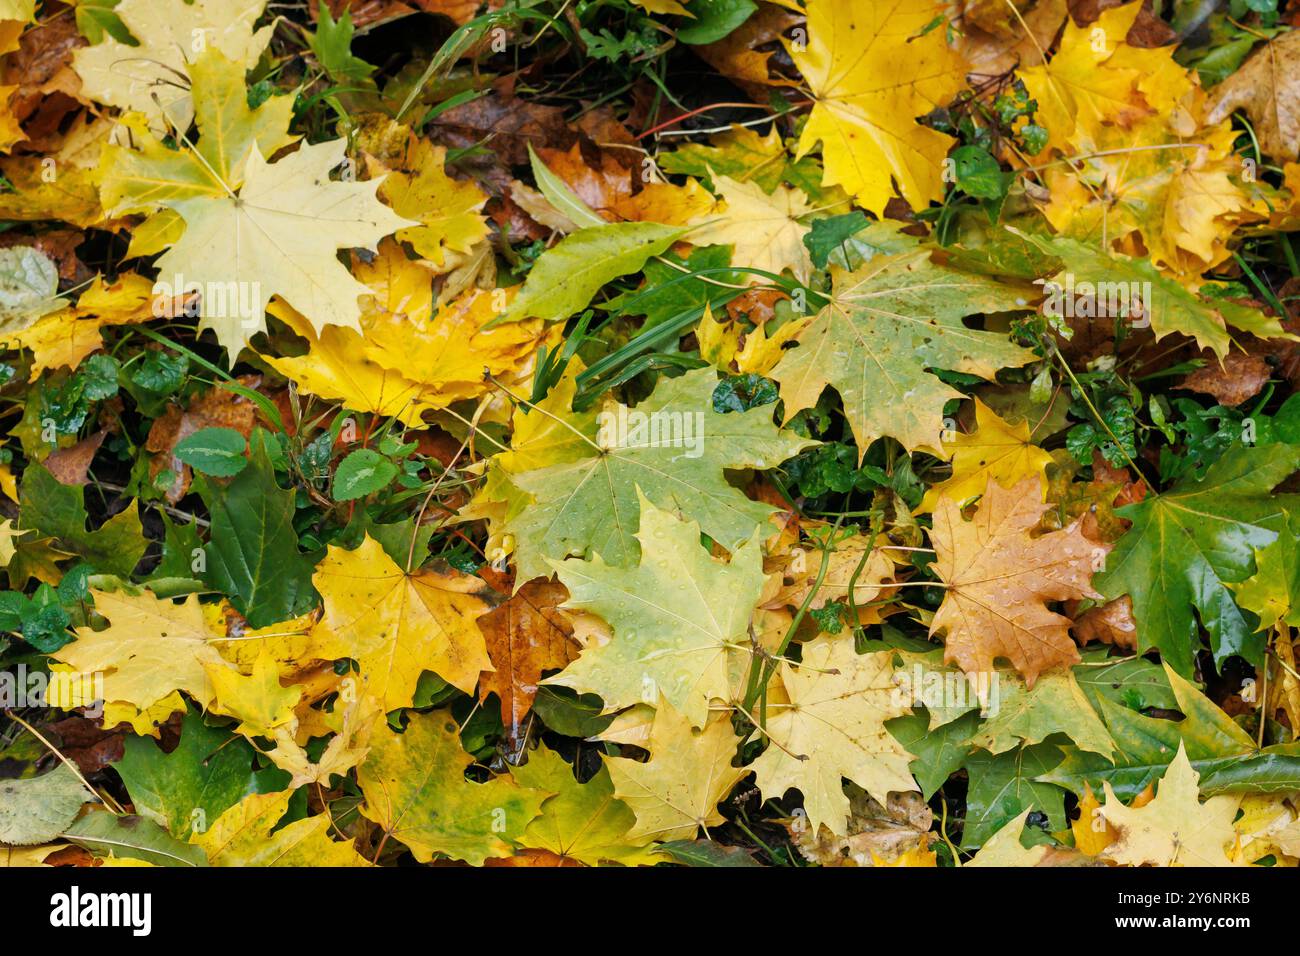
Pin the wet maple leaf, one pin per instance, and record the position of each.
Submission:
(525, 636)
(169, 34)
(873, 69)
(1174, 829)
(831, 725)
(415, 789)
(996, 450)
(999, 579)
(676, 791)
(887, 325)
(398, 624)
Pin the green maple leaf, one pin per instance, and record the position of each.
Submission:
(1171, 308)
(1006, 785)
(583, 821)
(1273, 591)
(939, 752)
(587, 501)
(674, 617)
(1188, 545)
(1055, 704)
(1219, 750)
(58, 511)
(415, 788)
(210, 770)
(888, 324)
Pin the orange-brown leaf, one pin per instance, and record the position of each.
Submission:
(525, 636)
(1000, 578)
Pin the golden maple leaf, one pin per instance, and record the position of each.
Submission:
(763, 230)
(677, 790)
(397, 625)
(63, 338)
(996, 450)
(1089, 80)
(873, 68)
(258, 701)
(150, 648)
(408, 358)
(417, 186)
(171, 34)
(246, 835)
(831, 725)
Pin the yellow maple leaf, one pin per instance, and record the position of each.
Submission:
(996, 450)
(763, 230)
(72, 195)
(1174, 829)
(1004, 848)
(7, 535)
(718, 340)
(335, 367)
(293, 644)
(244, 238)
(1184, 200)
(243, 836)
(150, 648)
(667, 203)
(150, 77)
(1092, 832)
(398, 625)
(408, 358)
(63, 338)
(833, 727)
(257, 700)
(352, 723)
(677, 790)
(873, 68)
(418, 187)
(762, 352)
(1081, 86)
(11, 131)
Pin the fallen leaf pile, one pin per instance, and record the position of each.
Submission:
(720, 433)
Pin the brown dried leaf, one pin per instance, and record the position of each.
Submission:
(41, 68)
(1240, 377)
(743, 54)
(215, 408)
(1267, 87)
(525, 636)
(1000, 579)
(994, 42)
(505, 125)
(1112, 623)
(69, 465)
(886, 833)
(602, 187)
